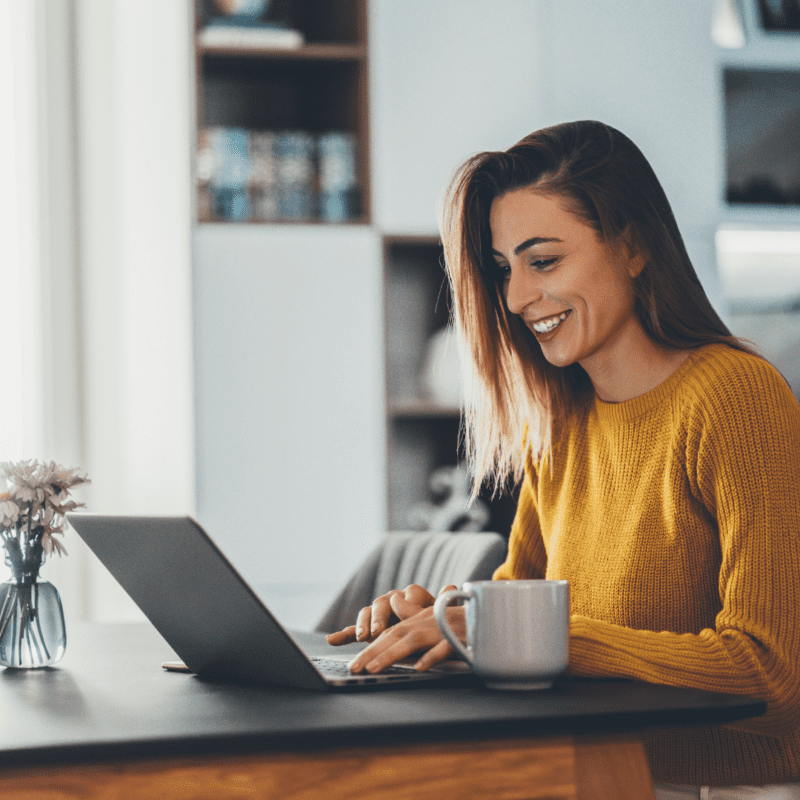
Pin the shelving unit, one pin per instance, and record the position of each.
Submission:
(762, 71)
(422, 431)
(318, 87)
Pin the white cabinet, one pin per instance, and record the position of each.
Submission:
(289, 403)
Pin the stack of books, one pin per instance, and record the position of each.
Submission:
(249, 34)
(276, 176)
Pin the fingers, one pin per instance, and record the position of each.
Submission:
(393, 645)
(353, 633)
(363, 624)
(411, 601)
(345, 636)
(418, 595)
(436, 654)
(420, 632)
(386, 610)
(381, 614)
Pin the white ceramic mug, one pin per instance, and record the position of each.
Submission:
(517, 631)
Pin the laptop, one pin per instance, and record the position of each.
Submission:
(209, 615)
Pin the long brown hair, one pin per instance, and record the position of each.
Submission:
(514, 398)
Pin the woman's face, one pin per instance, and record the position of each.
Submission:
(573, 290)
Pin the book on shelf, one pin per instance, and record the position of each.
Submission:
(247, 33)
(263, 180)
(204, 172)
(338, 195)
(294, 161)
(227, 163)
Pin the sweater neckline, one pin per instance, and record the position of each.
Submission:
(627, 410)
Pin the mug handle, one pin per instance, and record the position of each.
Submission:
(439, 611)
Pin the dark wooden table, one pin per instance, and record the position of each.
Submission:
(108, 722)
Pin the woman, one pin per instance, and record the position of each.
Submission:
(658, 454)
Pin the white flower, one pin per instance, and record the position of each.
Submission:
(38, 498)
(28, 481)
(64, 479)
(49, 544)
(9, 511)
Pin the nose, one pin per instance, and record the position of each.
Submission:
(521, 290)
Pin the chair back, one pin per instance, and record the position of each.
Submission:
(432, 560)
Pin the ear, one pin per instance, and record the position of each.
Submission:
(636, 264)
(637, 260)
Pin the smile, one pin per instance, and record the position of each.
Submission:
(550, 323)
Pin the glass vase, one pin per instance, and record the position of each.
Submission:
(32, 630)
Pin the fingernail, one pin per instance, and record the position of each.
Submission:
(373, 666)
(354, 666)
(418, 665)
(375, 627)
(359, 633)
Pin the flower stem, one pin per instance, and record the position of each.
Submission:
(42, 637)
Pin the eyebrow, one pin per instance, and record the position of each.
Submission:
(529, 243)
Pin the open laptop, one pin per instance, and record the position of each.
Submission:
(207, 612)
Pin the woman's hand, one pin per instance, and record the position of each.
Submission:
(387, 610)
(417, 633)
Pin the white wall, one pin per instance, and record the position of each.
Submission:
(650, 70)
(453, 77)
(289, 387)
(449, 78)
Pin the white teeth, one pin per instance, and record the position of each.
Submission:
(547, 325)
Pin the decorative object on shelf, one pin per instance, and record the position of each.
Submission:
(242, 25)
(441, 371)
(450, 509)
(248, 9)
(32, 513)
(727, 27)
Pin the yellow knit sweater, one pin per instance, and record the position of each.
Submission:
(675, 517)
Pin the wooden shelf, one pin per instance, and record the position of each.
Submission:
(309, 52)
(361, 220)
(422, 409)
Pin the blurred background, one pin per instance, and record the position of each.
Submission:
(219, 256)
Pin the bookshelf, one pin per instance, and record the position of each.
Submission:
(422, 429)
(257, 79)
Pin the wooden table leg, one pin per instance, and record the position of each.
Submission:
(531, 768)
(609, 768)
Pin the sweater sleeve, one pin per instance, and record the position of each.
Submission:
(743, 464)
(526, 553)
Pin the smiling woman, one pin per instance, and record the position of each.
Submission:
(589, 186)
(576, 275)
(657, 454)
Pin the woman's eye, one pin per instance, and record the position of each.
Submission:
(543, 263)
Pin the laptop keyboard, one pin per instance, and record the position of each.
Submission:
(340, 669)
